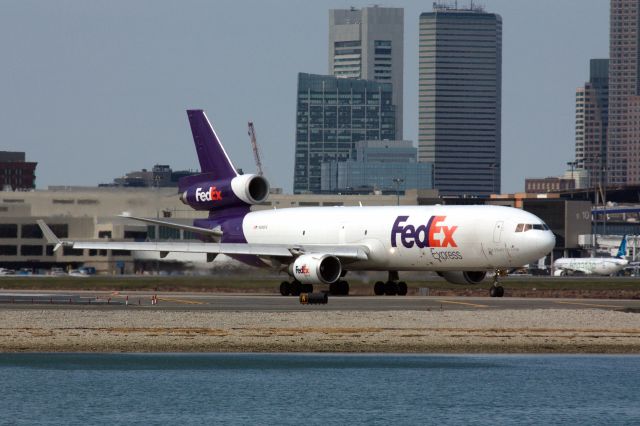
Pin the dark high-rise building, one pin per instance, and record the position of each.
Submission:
(368, 43)
(15, 172)
(460, 91)
(623, 144)
(592, 115)
(331, 115)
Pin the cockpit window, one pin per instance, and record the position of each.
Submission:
(524, 227)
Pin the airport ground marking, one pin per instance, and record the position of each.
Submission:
(475, 305)
(187, 302)
(595, 305)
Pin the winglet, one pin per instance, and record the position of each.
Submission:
(49, 235)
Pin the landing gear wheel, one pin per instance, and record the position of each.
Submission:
(343, 288)
(333, 289)
(402, 288)
(296, 288)
(378, 288)
(496, 291)
(307, 288)
(285, 288)
(390, 288)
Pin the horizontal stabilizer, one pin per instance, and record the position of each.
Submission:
(215, 232)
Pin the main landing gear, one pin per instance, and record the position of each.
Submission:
(392, 287)
(294, 288)
(496, 289)
(339, 288)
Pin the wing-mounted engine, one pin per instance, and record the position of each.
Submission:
(464, 277)
(202, 193)
(316, 269)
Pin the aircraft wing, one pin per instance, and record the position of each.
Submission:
(356, 252)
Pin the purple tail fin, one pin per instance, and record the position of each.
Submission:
(214, 161)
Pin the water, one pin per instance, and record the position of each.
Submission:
(318, 389)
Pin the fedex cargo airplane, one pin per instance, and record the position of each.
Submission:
(593, 265)
(319, 245)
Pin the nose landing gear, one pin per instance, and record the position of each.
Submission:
(496, 289)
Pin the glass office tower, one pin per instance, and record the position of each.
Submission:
(368, 43)
(333, 114)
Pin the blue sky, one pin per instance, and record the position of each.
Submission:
(92, 90)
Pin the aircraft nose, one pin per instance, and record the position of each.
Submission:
(547, 242)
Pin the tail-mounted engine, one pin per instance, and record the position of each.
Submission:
(464, 277)
(203, 194)
(316, 269)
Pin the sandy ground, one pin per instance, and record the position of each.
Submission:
(504, 331)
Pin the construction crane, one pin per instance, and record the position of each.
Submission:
(254, 146)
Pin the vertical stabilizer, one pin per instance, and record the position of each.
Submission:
(622, 250)
(214, 161)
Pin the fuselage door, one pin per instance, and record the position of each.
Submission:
(497, 231)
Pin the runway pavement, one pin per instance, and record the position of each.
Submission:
(276, 303)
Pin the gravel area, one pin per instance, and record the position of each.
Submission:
(503, 331)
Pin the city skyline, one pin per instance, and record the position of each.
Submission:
(95, 90)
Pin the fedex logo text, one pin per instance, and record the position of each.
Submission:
(433, 234)
(304, 269)
(212, 194)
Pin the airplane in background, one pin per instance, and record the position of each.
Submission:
(319, 245)
(593, 265)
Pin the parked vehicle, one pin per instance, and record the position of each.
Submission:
(87, 270)
(56, 272)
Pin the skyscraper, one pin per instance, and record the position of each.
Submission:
(623, 145)
(331, 115)
(368, 44)
(592, 116)
(460, 91)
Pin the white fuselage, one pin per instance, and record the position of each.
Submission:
(591, 265)
(435, 238)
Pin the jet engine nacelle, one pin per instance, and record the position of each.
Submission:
(464, 277)
(215, 194)
(316, 269)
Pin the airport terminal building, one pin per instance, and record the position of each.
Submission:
(88, 213)
(93, 213)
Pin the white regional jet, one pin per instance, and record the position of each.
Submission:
(319, 245)
(593, 265)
